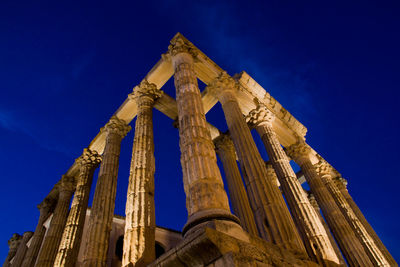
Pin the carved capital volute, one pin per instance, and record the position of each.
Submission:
(260, 116)
(224, 143)
(222, 84)
(14, 241)
(89, 158)
(299, 152)
(116, 126)
(179, 45)
(144, 92)
(46, 205)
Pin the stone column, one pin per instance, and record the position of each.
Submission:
(13, 244)
(53, 237)
(315, 238)
(71, 240)
(22, 248)
(140, 222)
(341, 184)
(206, 199)
(375, 255)
(45, 209)
(271, 213)
(344, 234)
(314, 203)
(240, 202)
(102, 212)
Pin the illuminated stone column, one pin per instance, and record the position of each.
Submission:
(271, 213)
(140, 222)
(102, 211)
(22, 248)
(206, 199)
(344, 234)
(375, 255)
(71, 240)
(53, 237)
(314, 203)
(13, 244)
(313, 232)
(45, 208)
(341, 184)
(240, 202)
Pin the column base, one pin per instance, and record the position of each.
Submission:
(212, 247)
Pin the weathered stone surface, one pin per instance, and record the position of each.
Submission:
(314, 235)
(139, 238)
(71, 239)
(240, 202)
(344, 234)
(104, 198)
(205, 194)
(22, 248)
(13, 244)
(45, 208)
(374, 253)
(273, 219)
(52, 240)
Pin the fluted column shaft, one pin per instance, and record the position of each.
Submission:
(22, 248)
(341, 185)
(240, 202)
(314, 203)
(52, 240)
(271, 213)
(139, 238)
(72, 236)
(102, 212)
(375, 255)
(13, 245)
(37, 238)
(314, 235)
(206, 198)
(344, 234)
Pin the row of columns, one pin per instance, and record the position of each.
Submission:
(262, 210)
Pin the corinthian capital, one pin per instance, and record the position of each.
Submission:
(260, 116)
(224, 142)
(117, 126)
(222, 83)
(145, 90)
(46, 205)
(89, 158)
(179, 45)
(299, 152)
(14, 241)
(323, 168)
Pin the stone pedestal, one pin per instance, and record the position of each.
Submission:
(140, 222)
(238, 196)
(52, 240)
(344, 234)
(102, 210)
(314, 234)
(341, 184)
(273, 219)
(206, 199)
(13, 244)
(45, 209)
(22, 248)
(375, 255)
(71, 240)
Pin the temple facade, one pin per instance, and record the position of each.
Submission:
(273, 220)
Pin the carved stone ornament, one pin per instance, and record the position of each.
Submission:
(298, 151)
(179, 45)
(224, 142)
(145, 89)
(117, 126)
(323, 168)
(67, 183)
(260, 116)
(221, 83)
(89, 157)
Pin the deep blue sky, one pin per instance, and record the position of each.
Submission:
(65, 69)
